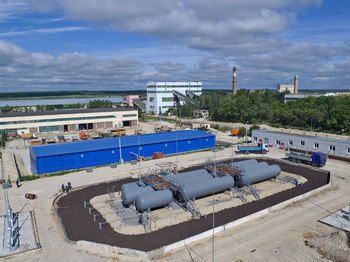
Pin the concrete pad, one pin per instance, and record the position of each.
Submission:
(125, 220)
(27, 236)
(339, 219)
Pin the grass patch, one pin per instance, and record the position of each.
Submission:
(221, 128)
(60, 173)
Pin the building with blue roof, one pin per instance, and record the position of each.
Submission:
(82, 154)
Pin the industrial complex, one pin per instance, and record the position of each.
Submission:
(293, 89)
(131, 190)
(67, 120)
(163, 95)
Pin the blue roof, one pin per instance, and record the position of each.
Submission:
(110, 143)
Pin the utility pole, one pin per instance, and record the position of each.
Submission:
(120, 151)
(213, 244)
(139, 156)
(232, 151)
(11, 229)
(311, 124)
(177, 167)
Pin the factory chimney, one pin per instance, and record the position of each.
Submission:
(296, 84)
(234, 82)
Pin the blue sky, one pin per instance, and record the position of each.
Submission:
(121, 45)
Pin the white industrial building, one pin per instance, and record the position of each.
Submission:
(160, 95)
(284, 87)
(330, 146)
(67, 120)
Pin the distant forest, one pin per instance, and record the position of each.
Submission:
(67, 94)
(321, 114)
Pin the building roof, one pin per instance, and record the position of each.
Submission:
(57, 101)
(113, 143)
(334, 140)
(66, 111)
(161, 84)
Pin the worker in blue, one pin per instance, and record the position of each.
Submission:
(295, 182)
(63, 188)
(17, 183)
(69, 186)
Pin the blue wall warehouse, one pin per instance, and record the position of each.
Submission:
(82, 154)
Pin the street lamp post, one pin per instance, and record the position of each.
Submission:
(120, 151)
(232, 151)
(139, 157)
(213, 244)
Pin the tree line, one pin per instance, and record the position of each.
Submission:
(320, 114)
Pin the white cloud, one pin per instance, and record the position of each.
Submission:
(226, 33)
(317, 67)
(10, 7)
(55, 30)
(228, 27)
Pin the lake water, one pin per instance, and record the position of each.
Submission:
(64, 101)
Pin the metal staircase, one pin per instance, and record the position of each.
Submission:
(111, 192)
(240, 194)
(188, 204)
(251, 188)
(145, 221)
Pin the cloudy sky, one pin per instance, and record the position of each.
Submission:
(121, 45)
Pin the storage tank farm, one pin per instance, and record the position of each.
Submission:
(157, 191)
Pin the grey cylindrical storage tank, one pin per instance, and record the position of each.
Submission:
(245, 163)
(149, 200)
(207, 186)
(254, 166)
(258, 175)
(196, 174)
(130, 191)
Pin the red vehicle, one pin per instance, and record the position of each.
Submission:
(234, 132)
(83, 135)
(282, 146)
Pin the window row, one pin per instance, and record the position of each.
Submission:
(331, 148)
(55, 120)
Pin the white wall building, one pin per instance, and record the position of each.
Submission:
(67, 120)
(284, 87)
(160, 94)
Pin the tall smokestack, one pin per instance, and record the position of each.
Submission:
(296, 84)
(234, 82)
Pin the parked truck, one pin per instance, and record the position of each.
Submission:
(234, 132)
(259, 148)
(316, 159)
(118, 132)
(162, 128)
